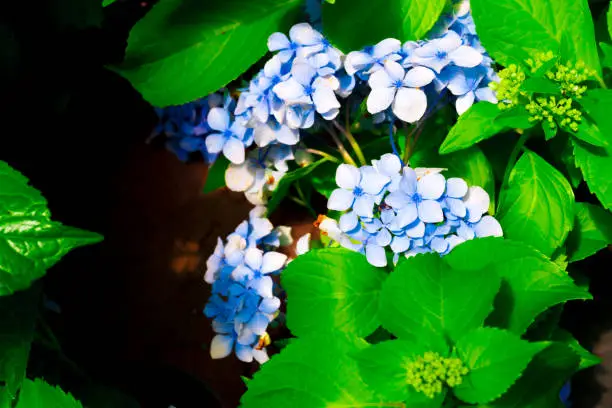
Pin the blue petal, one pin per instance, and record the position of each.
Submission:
(364, 206)
(258, 324)
(233, 149)
(218, 119)
(263, 286)
(383, 238)
(400, 244)
(376, 255)
(244, 353)
(348, 221)
(269, 305)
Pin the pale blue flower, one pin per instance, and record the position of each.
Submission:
(231, 139)
(449, 49)
(373, 58)
(421, 195)
(359, 189)
(392, 86)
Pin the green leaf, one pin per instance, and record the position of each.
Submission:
(18, 314)
(540, 85)
(531, 283)
(536, 207)
(323, 179)
(609, 19)
(107, 2)
(595, 102)
(470, 164)
(383, 366)
(587, 359)
(541, 381)
(476, 124)
(425, 295)
(496, 358)
(561, 151)
(589, 132)
(315, 371)
(402, 19)
(514, 30)
(514, 118)
(39, 394)
(592, 231)
(332, 289)
(31, 245)
(183, 50)
(606, 49)
(288, 179)
(596, 166)
(549, 131)
(216, 174)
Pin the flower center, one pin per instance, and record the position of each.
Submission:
(416, 198)
(358, 191)
(441, 55)
(308, 90)
(227, 133)
(398, 83)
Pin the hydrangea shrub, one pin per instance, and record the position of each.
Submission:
(448, 140)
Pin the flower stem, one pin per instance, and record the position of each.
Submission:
(341, 149)
(392, 142)
(513, 157)
(323, 154)
(351, 139)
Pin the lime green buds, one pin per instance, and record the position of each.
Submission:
(537, 62)
(430, 372)
(507, 88)
(570, 78)
(552, 111)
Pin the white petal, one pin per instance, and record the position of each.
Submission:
(340, 200)
(278, 41)
(324, 99)
(221, 346)
(239, 177)
(464, 102)
(264, 135)
(409, 104)
(488, 227)
(303, 244)
(418, 76)
(218, 119)
(214, 142)
(347, 176)
(431, 186)
(477, 201)
(396, 71)
(380, 79)
(466, 57)
(233, 149)
(381, 98)
(273, 261)
(289, 90)
(253, 257)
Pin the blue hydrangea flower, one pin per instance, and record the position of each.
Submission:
(231, 139)
(243, 302)
(359, 189)
(392, 86)
(449, 49)
(409, 211)
(371, 59)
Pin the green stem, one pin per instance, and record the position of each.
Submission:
(323, 154)
(351, 139)
(513, 157)
(302, 197)
(341, 149)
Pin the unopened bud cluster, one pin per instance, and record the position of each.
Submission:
(553, 111)
(430, 372)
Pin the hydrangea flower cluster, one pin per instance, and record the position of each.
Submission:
(404, 78)
(186, 126)
(409, 210)
(243, 302)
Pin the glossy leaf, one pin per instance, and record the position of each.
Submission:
(30, 242)
(590, 133)
(402, 19)
(514, 30)
(531, 283)
(592, 231)
(183, 50)
(541, 381)
(39, 394)
(536, 207)
(587, 359)
(476, 124)
(332, 289)
(425, 295)
(30, 245)
(596, 166)
(288, 179)
(496, 359)
(540, 85)
(316, 371)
